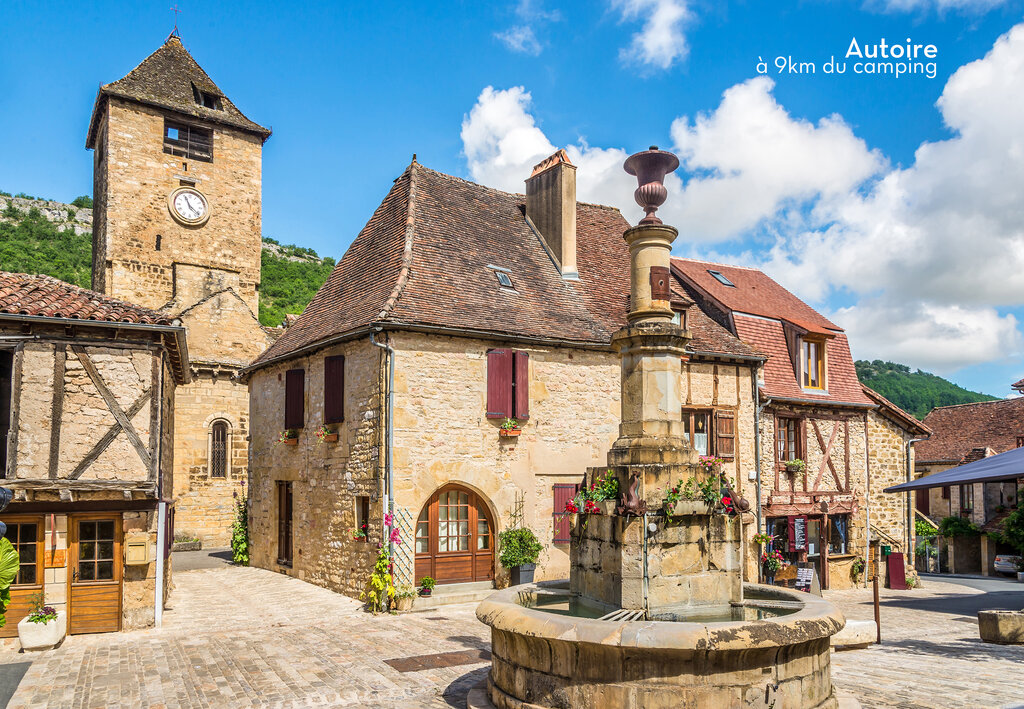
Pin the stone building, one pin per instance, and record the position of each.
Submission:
(177, 213)
(812, 409)
(456, 307)
(87, 389)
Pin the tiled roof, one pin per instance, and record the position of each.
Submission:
(44, 296)
(959, 429)
(708, 335)
(754, 293)
(165, 79)
(425, 258)
(890, 409)
(1019, 386)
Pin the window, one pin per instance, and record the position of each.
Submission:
(219, 437)
(159, 239)
(206, 99)
(1020, 441)
(188, 141)
(837, 534)
(295, 399)
(813, 364)
(503, 279)
(6, 368)
(508, 385)
(453, 521)
(563, 492)
(25, 538)
(717, 275)
(697, 427)
(787, 439)
(362, 518)
(423, 531)
(284, 523)
(334, 389)
(945, 492)
(967, 498)
(96, 555)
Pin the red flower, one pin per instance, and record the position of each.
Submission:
(726, 501)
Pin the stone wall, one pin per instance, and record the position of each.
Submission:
(888, 461)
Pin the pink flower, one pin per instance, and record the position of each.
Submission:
(388, 519)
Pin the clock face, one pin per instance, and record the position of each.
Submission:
(189, 206)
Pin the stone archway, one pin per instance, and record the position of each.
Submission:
(455, 537)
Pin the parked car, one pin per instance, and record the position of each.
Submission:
(1006, 564)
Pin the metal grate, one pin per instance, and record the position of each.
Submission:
(404, 561)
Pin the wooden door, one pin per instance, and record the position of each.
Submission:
(455, 538)
(94, 598)
(26, 536)
(923, 501)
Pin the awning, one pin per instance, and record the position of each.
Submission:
(1005, 466)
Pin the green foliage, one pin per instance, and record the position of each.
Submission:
(240, 534)
(381, 587)
(957, 527)
(288, 286)
(923, 529)
(427, 582)
(857, 568)
(1012, 531)
(34, 245)
(8, 571)
(915, 392)
(83, 202)
(519, 546)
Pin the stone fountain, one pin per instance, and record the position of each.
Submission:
(656, 612)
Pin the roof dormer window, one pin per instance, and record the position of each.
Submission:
(717, 275)
(812, 361)
(206, 99)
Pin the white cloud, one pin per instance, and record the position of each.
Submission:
(660, 42)
(520, 38)
(940, 5)
(926, 254)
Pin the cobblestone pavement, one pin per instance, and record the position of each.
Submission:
(238, 637)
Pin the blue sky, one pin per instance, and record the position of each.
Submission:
(816, 178)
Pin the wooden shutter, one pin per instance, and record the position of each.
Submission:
(294, 398)
(334, 389)
(499, 384)
(521, 386)
(725, 435)
(563, 492)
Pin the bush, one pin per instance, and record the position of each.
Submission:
(923, 529)
(83, 202)
(240, 534)
(957, 527)
(518, 546)
(1012, 532)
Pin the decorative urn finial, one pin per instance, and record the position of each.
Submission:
(650, 168)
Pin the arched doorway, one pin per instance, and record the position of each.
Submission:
(455, 537)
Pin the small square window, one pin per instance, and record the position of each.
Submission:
(172, 133)
(503, 279)
(717, 275)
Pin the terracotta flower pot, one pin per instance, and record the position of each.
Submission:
(291, 441)
(331, 438)
(509, 432)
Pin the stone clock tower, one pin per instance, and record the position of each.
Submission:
(176, 192)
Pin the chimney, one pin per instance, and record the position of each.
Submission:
(551, 208)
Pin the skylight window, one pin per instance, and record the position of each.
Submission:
(721, 279)
(504, 279)
(206, 99)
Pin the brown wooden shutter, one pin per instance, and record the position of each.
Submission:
(499, 384)
(563, 492)
(521, 386)
(725, 435)
(294, 398)
(334, 389)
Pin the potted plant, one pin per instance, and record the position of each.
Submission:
(795, 466)
(771, 562)
(43, 628)
(519, 552)
(427, 584)
(325, 434)
(509, 427)
(359, 533)
(857, 569)
(404, 599)
(289, 437)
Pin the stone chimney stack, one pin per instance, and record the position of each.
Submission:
(551, 207)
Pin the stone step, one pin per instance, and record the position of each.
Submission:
(451, 593)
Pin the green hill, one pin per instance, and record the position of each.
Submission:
(914, 392)
(53, 238)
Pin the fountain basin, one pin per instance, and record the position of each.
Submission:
(549, 660)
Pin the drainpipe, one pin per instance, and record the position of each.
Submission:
(647, 603)
(161, 542)
(389, 363)
(910, 509)
(867, 500)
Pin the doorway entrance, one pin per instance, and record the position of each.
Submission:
(94, 598)
(455, 537)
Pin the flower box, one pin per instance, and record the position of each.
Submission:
(607, 506)
(291, 441)
(42, 636)
(685, 508)
(330, 438)
(509, 432)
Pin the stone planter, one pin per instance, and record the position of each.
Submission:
(607, 506)
(194, 545)
(404, 604)
(1020, 576)
(42, 636)
(685, 508)
(1003, 627)
(522, 574)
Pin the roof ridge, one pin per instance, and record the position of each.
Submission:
(405, 271)
(977, 403)
(725, 265)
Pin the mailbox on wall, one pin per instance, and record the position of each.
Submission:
(136, 549)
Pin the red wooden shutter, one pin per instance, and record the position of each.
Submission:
(499, 384)
(725, 435)
(334, 389)
(521, 386)
(294, 398)
(563, 492)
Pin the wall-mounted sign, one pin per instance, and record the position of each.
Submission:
(798, 533)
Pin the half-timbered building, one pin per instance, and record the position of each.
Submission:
(87, 388)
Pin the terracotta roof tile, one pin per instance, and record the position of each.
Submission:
(908, 421)
(957, 430)
(44, 296)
